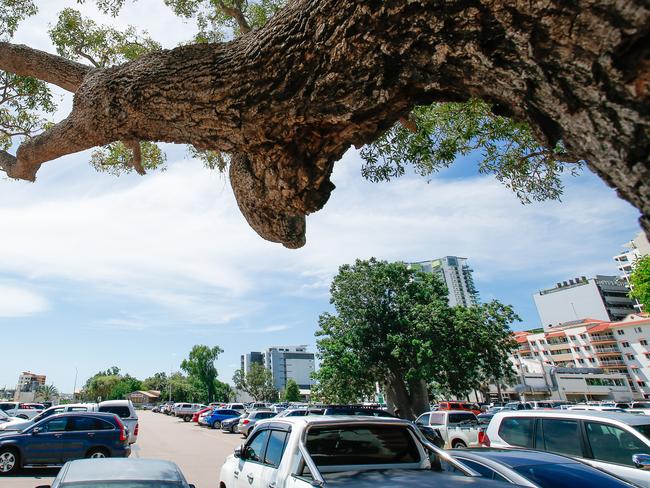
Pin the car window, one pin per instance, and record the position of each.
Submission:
(483, 470)
(437, 419)
(361, 444)
(78, 409)
(256, 447)
(275, 448)
(457, 418)
(265, 415)
(121, 411)
(517, 431)
(423, 419)
(54, 425)
(612, 444)
(561, 436)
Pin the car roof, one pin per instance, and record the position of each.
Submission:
(101, 415)
(514, 457)
(464, 412)
(310, 420)
(626, 418)
(121, 469)
(115, 403)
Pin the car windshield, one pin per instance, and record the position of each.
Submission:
(644, 430)
(569, 476)
(641, 405)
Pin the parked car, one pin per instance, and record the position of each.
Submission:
(517, 406)
(125, 410)
(639, 408)
(302, 452)
(231, 425)
(469, 407)
(186, 411)
(458, 428)
(614, 442)
(595, 408)
(21, 410)
(235, 406)
(19, 423)
(61, 438)
(535, 469)
(293, 412)
(197, 414)
(218, 415)
(247, 422)
(120, 473)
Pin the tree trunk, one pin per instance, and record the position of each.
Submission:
(323, 75)
(411, 399)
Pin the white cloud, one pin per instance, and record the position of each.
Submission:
(19, 302)
(275, 328)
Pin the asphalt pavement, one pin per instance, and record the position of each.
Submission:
(199, 452)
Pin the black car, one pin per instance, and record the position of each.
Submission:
(230, 425)
(120, 473)
(61, 438)
(535, 469)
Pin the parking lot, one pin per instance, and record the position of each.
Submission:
(199, 452)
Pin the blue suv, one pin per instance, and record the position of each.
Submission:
(219, 415)
(61, 438)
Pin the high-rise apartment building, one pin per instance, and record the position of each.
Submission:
(457, 277)
(625, 261)
(616, 347)
(603, 298)
(285, 363)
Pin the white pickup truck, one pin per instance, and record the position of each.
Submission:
(458, 428)
(332, 451)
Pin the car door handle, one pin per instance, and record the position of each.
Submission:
(91, 434)
(58, 435)
(250, 478)
(272, 485)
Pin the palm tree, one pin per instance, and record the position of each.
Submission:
(46, 392)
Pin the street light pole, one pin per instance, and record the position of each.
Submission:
(74, 388)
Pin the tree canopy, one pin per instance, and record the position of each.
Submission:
(291, 391)
(531, 87)
(257, 382)
(393, 326)
(640, 282)
(201, 369)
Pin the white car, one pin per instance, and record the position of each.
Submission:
(125, 410)
(614, 442)
(303, 452)
(458, 428)
(19, 424)
(21, 410)
(596, 408)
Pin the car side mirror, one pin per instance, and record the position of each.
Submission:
(641, 461)
(240, 452)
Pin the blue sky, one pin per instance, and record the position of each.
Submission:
(132, 271)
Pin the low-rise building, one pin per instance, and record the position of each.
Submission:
(27, 387)
(142, 397)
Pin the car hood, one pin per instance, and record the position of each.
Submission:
(390, 478)
(17, 424)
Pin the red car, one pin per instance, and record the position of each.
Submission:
(195, 417)
(470, 407)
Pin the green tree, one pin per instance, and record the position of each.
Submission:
(47, 393)
(200, 368)
(393, 325)
(640, 282)
(158, 382)
(257, 382)
(292, 391)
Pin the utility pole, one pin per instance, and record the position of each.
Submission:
(74, 388)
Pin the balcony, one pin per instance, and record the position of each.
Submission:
(602, 338)
(612, 363)
(607, 351)
(557, 345)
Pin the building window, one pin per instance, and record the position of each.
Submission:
(620, 332)
(647, 355)
(576, 349)
(587, 348)
(630, 357)
(592, 360)
(581, 361)
(643, 342)
(640, 383)
(583, 336)
(625, 344)
(637, 329)
(573, 338)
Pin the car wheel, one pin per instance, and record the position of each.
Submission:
(216, 425)
(458, 445)
(187, 418)
(97, 453)
(9, 461)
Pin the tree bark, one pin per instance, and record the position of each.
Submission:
(323, 75)
(410, 398)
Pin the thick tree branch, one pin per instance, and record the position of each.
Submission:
(290, 98)
(25, 61)
(237, 14)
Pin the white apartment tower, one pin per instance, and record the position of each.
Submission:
(457, 277)
(625, 261)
